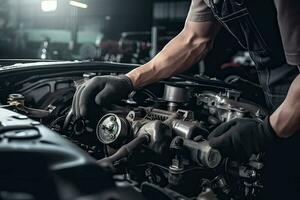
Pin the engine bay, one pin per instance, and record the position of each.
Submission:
(155, 140)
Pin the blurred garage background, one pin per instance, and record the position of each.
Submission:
(129, 31)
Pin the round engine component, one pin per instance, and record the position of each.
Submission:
(176, 94)
(112, 129)
(209, 156)
(203, 154)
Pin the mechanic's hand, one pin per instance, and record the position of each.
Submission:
(100, 91)
(240, 138)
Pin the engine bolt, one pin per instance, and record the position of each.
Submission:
(112, 118)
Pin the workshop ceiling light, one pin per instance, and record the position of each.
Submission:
(49, 5)
(78, 4)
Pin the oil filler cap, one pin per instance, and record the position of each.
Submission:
(112, 129)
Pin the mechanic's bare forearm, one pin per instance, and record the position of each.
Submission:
(286, 119)
(182, 52)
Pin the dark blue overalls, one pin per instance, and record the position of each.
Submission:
(254, 24)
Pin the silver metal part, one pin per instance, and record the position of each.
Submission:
(226, 109)
(233, 94)
(176, 94)
(203, 153)
(111, 127)
(172, 106)
(160, 135)
(177, 165)
(186, 129)
(221, 183)
(16, 100)
(209, 156)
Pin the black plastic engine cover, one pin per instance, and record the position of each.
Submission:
(37, 163)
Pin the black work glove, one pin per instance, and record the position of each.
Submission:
(240, 138)
(100, 91)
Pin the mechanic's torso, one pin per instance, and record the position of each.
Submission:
(254, 24)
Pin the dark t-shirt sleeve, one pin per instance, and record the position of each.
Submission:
(199, 12)
(289, 24)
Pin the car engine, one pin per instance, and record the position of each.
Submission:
(155, 140)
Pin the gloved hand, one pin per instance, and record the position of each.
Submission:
(100, 91)
(240, 138)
